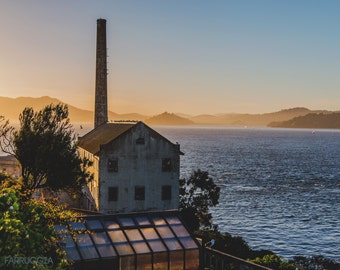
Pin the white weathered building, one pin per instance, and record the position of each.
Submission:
(9, 165)
(135, 168)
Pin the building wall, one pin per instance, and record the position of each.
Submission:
(91, 191)
(139, 165)
(9, 165)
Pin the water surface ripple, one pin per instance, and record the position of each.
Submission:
(280, 188)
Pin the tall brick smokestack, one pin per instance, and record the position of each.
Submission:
(100, 112)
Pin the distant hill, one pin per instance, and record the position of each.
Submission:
(12, 107)
(126, 116)
(250, 119)
(311, 120)
(169, 119)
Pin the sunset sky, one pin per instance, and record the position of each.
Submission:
(188, 56)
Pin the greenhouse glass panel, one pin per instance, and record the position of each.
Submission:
(124, 249)
(180, 230)
(143, 221)
(157, 245)
(158, 221)
(86, 246)
(127, 222)
(134, 235)
(88, 252)
(117, 236)
(100, 238)
(77, 226)
(160, 261)
(165, 232)
(83, 240)
(103, 245)
(149, 233)
(60, 228)
(106, 251)
(188, 242)
(94, 225)
(127, 263)
(140, 247)
(173, 220)
(176, 260)
(144, 262)
(67, 239)
(172, 244)
(110, 225)
(192, 259)
(72, 254)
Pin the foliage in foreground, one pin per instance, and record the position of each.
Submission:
(27, 237)
(275, 262)
(237, 246)
(316, 262)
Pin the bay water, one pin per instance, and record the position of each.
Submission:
(280, 188)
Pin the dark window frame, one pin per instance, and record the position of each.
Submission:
(140, 141)
(167, 165)
(166, 193)
(139, 193)
(113, 194)
(112, 164)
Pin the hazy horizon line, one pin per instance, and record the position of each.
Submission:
(189, 114)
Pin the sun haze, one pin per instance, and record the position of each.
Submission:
(192, 57)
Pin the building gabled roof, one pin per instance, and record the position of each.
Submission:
(108, 132)
(103, 134)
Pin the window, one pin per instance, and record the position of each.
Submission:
(166, 165)
(166, 193)
(112, 165)
(140, 193)
(140, 141)
(113, 194)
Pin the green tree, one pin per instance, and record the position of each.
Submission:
(197, 194)
(316, 262)
(274, 262)
(27, 229)
(45, 147)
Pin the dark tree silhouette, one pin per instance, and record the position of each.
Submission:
(197, 194)
(45, 146)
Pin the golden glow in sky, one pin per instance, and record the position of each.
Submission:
(179, 56)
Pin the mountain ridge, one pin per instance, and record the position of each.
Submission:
(311, 120)
(10, 108)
